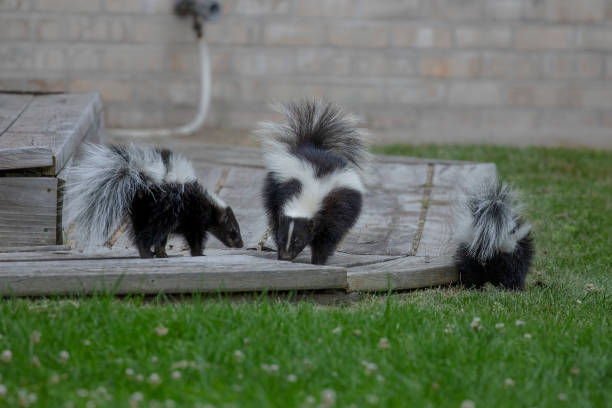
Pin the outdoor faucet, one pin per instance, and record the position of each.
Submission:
(200, 10)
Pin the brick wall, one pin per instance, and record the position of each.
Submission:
(503, 71)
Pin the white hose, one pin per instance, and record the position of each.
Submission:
(199, 119)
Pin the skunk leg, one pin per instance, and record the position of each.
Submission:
(196, 243)
(160, 248)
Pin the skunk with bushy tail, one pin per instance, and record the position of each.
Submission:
(494, 242)
(156, 188)
(313, 190)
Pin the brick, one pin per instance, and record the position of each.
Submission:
(323, 62)
(13, 28)
(49, 28)
(444, 118)
(261, 7)
(110, 90)
(544, 96)
(573, 66)
(453, 65)
(185, 60)
(366, 9)
(566, 11)
(510, 65)
(609, 67)
(139, 6)
(49, 58)
(489, 37)
(14, 57)
(504, 9)
(595, 38)
(387, 119)
(359, 35)
(286, 33)
(541, 38)
(16, 5)
(83, 58)
(415, 92)
(170, 92)
(568, 119)
(474, 93)
(68, 5)
(454, 10)
(263, 63)
(232, 31)
(85, 28)
(421, 36)
(139, 58)
(598, 97)
(160, 31)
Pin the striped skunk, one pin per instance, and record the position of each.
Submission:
(313, 190)
(494, 242)
(156, 188)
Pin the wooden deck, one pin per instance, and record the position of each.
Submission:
(401, 241)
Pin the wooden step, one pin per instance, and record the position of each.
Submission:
(39, 135)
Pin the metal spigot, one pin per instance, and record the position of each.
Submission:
(200, 10)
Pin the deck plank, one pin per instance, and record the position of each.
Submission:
(171, 275)
(11, 106)
(28, 214)
(50, 129)
(448, 182)
(402, 273)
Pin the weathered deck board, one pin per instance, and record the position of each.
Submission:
(11, 106)
(28, 210)
(403, 273)
(171, 275)
(47, 132)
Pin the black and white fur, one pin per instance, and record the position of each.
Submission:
(494, 242)
(156, 188)
(313, 190)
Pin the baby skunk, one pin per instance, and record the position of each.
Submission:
(156, 188)
(313, 190)
(495, 244)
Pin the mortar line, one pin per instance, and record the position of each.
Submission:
(424, 207)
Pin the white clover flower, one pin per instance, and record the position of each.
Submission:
(509, 382)
(35, 337)
(54, 379)
(562, 397)
(292, 378)
(383, 343)
(500, 326)
(476, 323)
(579, 301)
(271, 369)
(468, 404)
(161, 330)
(370, 368)
(35, 361)
(82, 392)
(357, 332)
(527, 336)
(3, 390)
(176, 375)
(139, 378)
(6, 356)
(154, 379)
(90, 404)
(380, 378)
(154, 359)
(129, 372)
(246, 340)
(337, 330)
(520, 323)
(169, 403)
(328, 397)
(372, 399)
(87, 342)
(238, 356)
(64, 356)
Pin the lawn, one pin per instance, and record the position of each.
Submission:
(550, 346)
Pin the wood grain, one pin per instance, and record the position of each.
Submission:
(11, 106)
(28, 210)
(49, 129)
(171, 275)
(403, 273)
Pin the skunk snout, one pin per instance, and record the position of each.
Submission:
(237, 243)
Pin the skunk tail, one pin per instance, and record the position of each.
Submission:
(490, 222)
(313, 123)
(102, 187)
(494, 242)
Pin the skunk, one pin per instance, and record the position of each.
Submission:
(312, 192)
(156, 188)
(494, 242)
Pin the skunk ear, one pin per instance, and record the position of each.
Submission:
(229, 214)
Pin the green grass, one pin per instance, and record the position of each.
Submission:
(434, 359)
